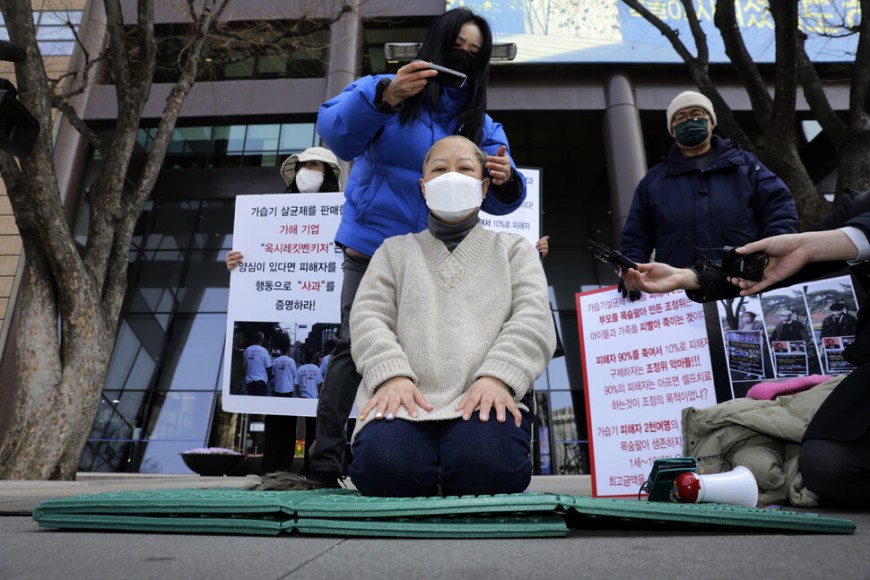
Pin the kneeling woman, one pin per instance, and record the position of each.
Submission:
(451, 327)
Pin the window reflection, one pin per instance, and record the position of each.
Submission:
(254, 145)
(262, 138)
(567, 448)
(193, 358)
(115, 432)
(296, 137)
(165, 456)
(229, 139)
(180, 416)
(137, 349)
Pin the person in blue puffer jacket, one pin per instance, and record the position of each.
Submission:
(386, 124)
(706, 193)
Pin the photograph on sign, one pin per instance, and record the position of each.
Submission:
(833, 305)
(643, 362)
(745, 342)
(787, 332)
(284, 302)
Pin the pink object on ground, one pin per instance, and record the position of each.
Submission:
(769, 391)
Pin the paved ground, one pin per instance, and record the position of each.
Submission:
(28, 551)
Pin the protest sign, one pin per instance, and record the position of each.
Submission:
(643, 362)
(288, 287)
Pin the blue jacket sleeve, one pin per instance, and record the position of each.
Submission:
(350, 120)
(493, 138)
(637, 240)
(775, 202)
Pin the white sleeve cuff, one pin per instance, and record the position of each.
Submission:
(860, 240)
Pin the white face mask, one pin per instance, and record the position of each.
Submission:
(453, 196)
(309, 180)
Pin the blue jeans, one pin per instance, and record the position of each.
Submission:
(402, 458)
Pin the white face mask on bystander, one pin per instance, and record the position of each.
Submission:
(452, 197)
(309, 180)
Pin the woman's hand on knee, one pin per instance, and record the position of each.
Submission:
(392, 394)
(489, 393)
(234, 258)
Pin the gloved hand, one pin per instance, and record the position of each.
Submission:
(632, 295)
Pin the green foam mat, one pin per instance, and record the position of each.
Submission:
(199, 501)
(225, 501)
(502, 526)
(346, 512)
(706, 513)
(359, 506)
(176, 525)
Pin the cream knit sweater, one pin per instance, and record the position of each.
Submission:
(446, 319)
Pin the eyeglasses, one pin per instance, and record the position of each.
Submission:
(691, 115)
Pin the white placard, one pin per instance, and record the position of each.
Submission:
(526, 219)
(643, 362)
(290, 280)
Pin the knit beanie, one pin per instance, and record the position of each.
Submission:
(690, 99)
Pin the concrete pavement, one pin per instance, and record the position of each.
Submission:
(28, 551)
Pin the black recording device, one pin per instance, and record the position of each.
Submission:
(447, 76)
(746, 266)
(610, 256)
(18, 128)
(660, 482)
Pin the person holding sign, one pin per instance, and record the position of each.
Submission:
(386, 124)
(447, 369)
(835, 451)
(314, 170)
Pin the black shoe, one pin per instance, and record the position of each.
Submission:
(323, 480)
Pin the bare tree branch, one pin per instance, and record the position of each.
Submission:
(833, 126)
(735, 48)
(666, 30)
(697, 33)
(62, 105)
(131, 204)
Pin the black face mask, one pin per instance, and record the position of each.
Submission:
(461, 60)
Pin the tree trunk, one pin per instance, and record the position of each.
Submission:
(53, 414)
(855, 161)
(784, 160)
